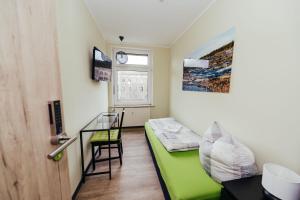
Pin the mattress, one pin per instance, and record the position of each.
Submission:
(183, 173)
(173, 135)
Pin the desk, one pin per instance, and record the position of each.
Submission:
(103, 122)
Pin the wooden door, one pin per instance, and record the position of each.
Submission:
(29, 78)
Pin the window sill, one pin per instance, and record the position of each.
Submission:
(133, 106)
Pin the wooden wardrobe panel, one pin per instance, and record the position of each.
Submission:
(29, 78)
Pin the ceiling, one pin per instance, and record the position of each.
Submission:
(145, 22)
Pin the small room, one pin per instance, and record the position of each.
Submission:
(152, 99)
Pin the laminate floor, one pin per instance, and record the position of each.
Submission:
(136, 179)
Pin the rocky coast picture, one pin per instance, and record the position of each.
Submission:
(209, 68)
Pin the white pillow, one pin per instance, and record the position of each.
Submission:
(225, 158)
(214, 132)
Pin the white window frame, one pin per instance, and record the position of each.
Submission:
(130, 67)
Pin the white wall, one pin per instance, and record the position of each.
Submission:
(262, 108)
(83, 98)
(161, 87)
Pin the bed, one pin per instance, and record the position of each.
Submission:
(181, 175)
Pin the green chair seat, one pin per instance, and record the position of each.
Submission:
(102, 136)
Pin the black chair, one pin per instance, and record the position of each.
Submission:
(101, 139)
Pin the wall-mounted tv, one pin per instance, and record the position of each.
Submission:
(101, 69)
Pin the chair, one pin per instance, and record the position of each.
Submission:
(101, 139)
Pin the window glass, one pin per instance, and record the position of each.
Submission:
(132, 80)
(136, 59)
(132, 86)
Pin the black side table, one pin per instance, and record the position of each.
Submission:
(243, 189)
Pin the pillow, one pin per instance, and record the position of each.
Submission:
(213, 133)
(226, 158)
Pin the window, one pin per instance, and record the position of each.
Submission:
(136, 59)
(132, 80)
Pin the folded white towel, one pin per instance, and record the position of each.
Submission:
(165, 124)
(173, 135)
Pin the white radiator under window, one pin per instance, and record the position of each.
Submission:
(135, 116)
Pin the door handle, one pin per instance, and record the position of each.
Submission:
(59, 139)
(59, 150)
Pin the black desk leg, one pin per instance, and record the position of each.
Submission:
(93, 156)
(109, 154)
(82, 159)
(118, 120)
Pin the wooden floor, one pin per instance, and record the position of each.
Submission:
(135, 180)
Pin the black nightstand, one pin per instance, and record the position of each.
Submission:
(243, 189)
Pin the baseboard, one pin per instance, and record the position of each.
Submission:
(81, 181)
(77, 189)
(129, 127)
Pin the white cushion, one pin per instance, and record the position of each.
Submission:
(214, 132)
(224, 157)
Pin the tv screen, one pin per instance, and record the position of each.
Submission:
(101, 69)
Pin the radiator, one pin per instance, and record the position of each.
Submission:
(135, 116)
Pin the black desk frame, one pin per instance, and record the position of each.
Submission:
(84, 172)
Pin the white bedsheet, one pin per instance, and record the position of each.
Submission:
(173, 135)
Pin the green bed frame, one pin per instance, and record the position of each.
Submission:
(181, 174)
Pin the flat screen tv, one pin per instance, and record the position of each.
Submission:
(101, 69)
